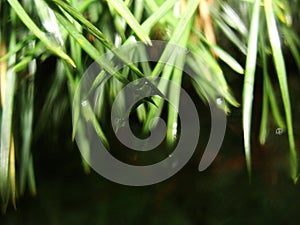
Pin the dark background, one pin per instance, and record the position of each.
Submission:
(222, 194)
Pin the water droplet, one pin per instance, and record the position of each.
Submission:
(279, 131)
(84, 103)
(220, 101)
(176, 10)
(118, 40)
(170, 155)
(174, 131)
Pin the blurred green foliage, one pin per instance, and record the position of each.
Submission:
(72, 34)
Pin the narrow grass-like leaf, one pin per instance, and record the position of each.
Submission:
(89, 48)
(203, 87)
(97, 33)
(37, 32)
(213, 73)
(85, 4)
(233, 19)
(12, 172)
(274, 105)
(48, 20)
(265, 109)
(123, 10)
(138, 10)
(282, 77)
(174, 93)
(167, 56)
(228, 59)
(87, 25)
(175, 38)
(263, 131)
(90, 116)
(293, 42)
(158, 14)
(84, 145)
(249, 82)
(26, 124)
(231, 36)
(31, 177)
(8, 82)
(22, 64)
(153, 7)
(155, 110)
(224, 56)
(18, 47)
(269, 91)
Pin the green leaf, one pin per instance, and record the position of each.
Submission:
(27, 107)
(228, 59)
(176, 36)
(224, 56)
(90, 116)
(158, 15)
(174, 93)
(282, 77)
(123, 10)
(212, 73)
(249, 82)
(97, 33)
(89, 48)
(233, 19)
(52, 46)
(293, 42)
(231, 36)
(6, 126)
